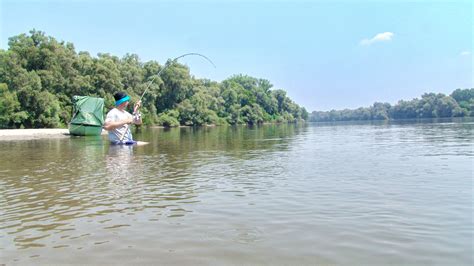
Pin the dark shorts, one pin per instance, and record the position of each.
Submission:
(128, 142)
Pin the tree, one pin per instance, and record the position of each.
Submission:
(10, 112)
(176, 86)
(431, 105)
(380, 111)
(106, 76)
(252, 114)
(405, 109)
(41, 75)
(169, 118)
(447, 107)
(465, 100)
(42, 108)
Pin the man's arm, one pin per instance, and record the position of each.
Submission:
(111, 125)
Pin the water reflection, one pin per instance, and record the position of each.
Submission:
(297, 193)
(121, 170)
(50, 185)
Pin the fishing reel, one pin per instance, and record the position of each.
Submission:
(137, 116)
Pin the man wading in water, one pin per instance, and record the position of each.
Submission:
(118, 120)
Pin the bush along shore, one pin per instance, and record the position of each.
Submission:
(460, 103)
(39, 75)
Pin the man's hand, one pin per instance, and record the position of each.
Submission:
(136, 106)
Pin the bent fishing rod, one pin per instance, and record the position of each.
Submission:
(167, 65)
(135, 109)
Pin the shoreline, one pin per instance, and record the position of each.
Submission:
(34, 133)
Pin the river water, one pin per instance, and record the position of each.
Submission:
(347, 193)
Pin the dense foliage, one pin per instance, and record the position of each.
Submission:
(39, 76)
(431, 105)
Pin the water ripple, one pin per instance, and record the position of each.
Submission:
(278, 194)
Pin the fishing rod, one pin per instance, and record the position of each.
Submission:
(167, 65)
(135, 109)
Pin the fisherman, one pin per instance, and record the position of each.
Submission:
(118, 120)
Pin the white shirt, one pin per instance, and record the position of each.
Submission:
(122, 133)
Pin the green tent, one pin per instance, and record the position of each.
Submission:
(88, 116)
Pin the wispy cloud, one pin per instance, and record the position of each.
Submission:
(380, 37)
(465, 53)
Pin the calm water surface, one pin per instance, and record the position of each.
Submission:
(277, 194)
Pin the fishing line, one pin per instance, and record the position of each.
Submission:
(136, 114)
(167, 65)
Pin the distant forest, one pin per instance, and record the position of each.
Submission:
(459, 103)
(39, 75)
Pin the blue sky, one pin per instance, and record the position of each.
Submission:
(325, 54)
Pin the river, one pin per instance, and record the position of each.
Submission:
(317, 193)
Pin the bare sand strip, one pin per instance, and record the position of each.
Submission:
(28, 134)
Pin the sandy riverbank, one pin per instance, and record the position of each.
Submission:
(37, 133)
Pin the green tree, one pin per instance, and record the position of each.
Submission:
(42, 107)
(176, 87)
(10, 112)
(106, 76)
(405, 109)
(380, 111)
(465, 100)
(41, 75)
(169, 118)
(252, 114)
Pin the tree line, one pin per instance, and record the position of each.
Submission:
(459, 103)
(39, 75)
